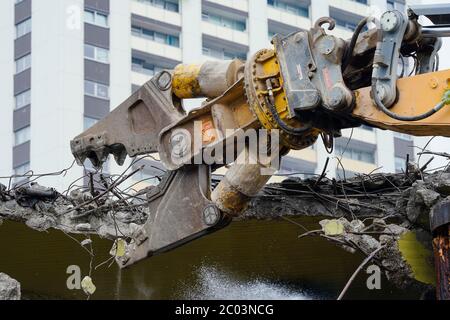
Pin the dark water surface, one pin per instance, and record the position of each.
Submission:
(247, 260)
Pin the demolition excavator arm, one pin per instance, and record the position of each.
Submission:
(309, 85)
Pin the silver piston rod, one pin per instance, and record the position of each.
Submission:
(436, 31)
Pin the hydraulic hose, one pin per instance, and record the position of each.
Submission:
(393, 115)
(351, 47)
(282, 124)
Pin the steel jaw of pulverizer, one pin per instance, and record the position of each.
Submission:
(180, 211)
(183, 207)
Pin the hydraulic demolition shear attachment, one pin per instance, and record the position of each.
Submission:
(309, 84)
(152, 120)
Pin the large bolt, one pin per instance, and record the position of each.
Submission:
(389, 21)
(336, 97)
(211, 215)
(311, 100)
(433, 83)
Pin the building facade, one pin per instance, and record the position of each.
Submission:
(66, 63)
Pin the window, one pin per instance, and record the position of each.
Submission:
(142, 66)
(224, 22)
(224, 54)
(356, 154)
(18, 1)
(89, 16)
(23, 99)
(96, 53)
(95, 17)
(159, 37)
(394, 5)
(390, 5)
(23, 28)
(163, 4)
(20, 171)
(282, 32)
(23, 63)
(289, 7)
(234, 55)
(400, 164)
(290, 166)
(362, 1)
(23, 169)
(403, 136)
(346, 24)
(89, 122)
(96, 89)
(21, 136)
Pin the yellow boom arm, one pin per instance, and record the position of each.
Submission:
(416, 95)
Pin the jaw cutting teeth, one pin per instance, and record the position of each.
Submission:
(80, 159)
(120, 157)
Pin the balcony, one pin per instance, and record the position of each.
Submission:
(351, 6)
(288, 18)
(225, 33)
(241, 5)
(156, 48)
(156, 13)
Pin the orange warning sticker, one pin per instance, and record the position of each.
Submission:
(208, 131)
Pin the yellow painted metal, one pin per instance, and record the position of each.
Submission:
(417, 95)
(270, 67)
(215, 121)
(418, 257)
(185, 83)
(265, 65)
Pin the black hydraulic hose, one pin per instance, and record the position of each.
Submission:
(282, 124)
(393, 115)
(351, 47)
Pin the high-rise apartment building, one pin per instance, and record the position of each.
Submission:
(66, 63)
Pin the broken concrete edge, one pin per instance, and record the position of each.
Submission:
(404, 268)
(407, 259)
(58, 213)
(406, 208)
(9, 288)
(44, 220)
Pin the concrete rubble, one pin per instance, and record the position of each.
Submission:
(58, 213)
(389, 205)
(9, 288)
